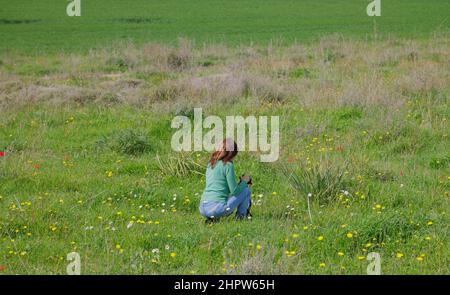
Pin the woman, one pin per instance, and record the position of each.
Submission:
(222, 194)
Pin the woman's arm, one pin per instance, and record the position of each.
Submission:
(235, 189)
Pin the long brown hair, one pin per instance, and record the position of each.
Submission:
(226, 151)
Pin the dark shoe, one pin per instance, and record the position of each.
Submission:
(239, 216)
(209, 221)
(249, 214)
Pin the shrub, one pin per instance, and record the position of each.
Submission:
(131, 142)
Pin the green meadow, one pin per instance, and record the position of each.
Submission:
(86, 165)
(43, 26)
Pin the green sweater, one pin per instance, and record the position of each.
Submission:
(221, 183)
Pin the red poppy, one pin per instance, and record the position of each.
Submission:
(37, 166)
(2, 154)
(2, 267)
(291, 160)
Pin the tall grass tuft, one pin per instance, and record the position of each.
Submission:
(179, 165)
(321, 182)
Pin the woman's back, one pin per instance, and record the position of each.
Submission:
(221, 182)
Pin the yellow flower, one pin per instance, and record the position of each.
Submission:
(399, 255)
(340, 253)
(173, 254)
(430, 222)
(349, 235)
(322, 264)
(289, 253)
(118, 246)
(305, 227)
(428, 238)
(368, 245)
(258, 247)
(320, 238)
(419, 258)
(361, 257)
(295, 236)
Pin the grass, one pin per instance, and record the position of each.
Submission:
(43, 26)
(87, 164)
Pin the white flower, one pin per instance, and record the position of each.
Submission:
(130, 224)
(167, 247)
(155, 251)
(309, 195)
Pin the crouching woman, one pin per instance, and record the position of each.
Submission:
(222, 194)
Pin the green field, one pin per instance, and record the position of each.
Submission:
(43, 26)
(86, 163)
(81, 136)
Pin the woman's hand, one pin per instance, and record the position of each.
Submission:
(245, 178)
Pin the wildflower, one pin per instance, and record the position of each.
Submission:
(399, 255)
(340, 254)
(419, 258)
(430, 222)
(428, 238)
(173, 254)
(349, 235)
(295, 236)
(258, 247)
(322, 264)
(289, 253)
(320, 238)
(361, 257)
(2, 154)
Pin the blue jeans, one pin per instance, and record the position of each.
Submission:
(215, 209)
